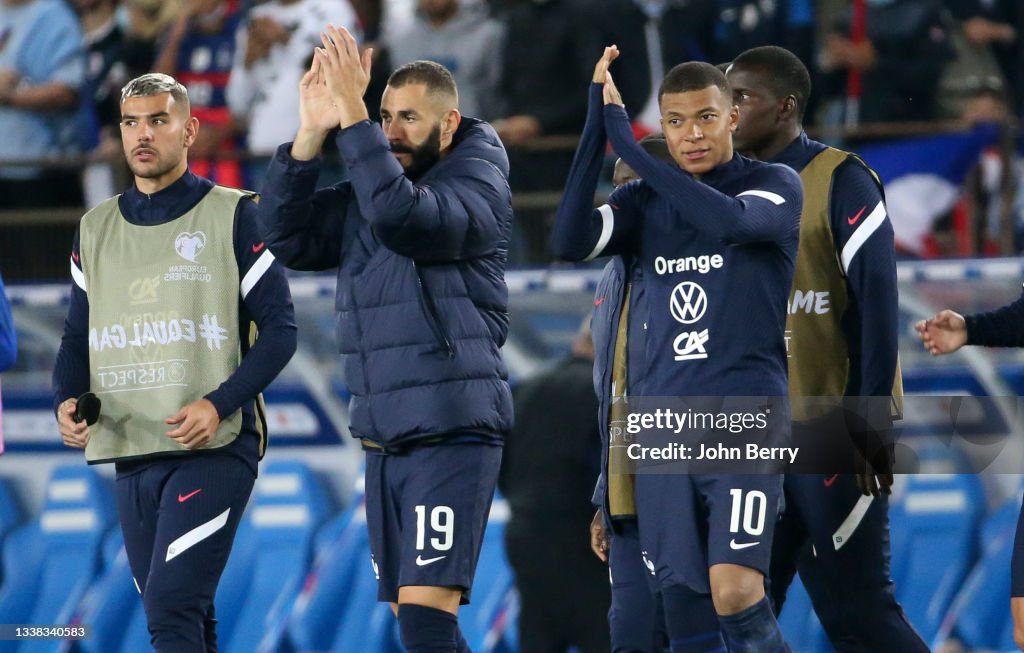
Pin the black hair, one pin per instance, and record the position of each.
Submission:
(784, 73)
(434, 76)
(657, 146)
(694, 76)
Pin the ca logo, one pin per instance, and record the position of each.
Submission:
(689, 345)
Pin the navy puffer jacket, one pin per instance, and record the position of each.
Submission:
(421, 299)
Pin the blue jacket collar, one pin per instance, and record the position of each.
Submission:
(800, 152)
(164, 205)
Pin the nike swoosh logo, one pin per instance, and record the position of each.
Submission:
(182, 498)
(852, 221)
(738, 547)
(830, 481)
(256, 248)
(420, 562)
(599, 301)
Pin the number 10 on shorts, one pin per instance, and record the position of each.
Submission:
(442, 522)
(751, 510)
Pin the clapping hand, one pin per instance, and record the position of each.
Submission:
(603, 76)
(316, 105)
(317, 113)
(345, 72)
(611, 53)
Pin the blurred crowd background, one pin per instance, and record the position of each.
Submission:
(908, 73)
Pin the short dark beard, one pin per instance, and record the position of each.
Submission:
(424, 156)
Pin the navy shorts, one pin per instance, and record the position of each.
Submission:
(689, 523)
(426, 510)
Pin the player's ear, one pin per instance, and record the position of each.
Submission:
(191, 130)
(734, 118)
(789, 107)
(451, 122)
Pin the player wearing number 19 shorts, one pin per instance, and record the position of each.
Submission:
(717, 238)
(419, 235)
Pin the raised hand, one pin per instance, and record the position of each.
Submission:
(317, 113)
(346, 73)
(611, 53)
(611, 92)
(944, 333)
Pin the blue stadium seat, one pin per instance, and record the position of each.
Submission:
(10, 511)
(341, 547)
(111, 600)
(50, 562)
(365, 624)
(275, 542)
(507, 621)
(980, 615)
(794, 620)
(483, 621)
(339, 610)
(934, 535)
(313, 623)
(800, 626)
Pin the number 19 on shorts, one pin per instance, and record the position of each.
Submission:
(750, 510)
(442, 523)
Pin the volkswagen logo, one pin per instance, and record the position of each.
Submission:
(688, 303)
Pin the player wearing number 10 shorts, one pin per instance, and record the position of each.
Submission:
(713, 330)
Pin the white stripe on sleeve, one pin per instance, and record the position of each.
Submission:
(256, 272)
(607, 226)
(774, 198)
(861, 235)
(77, 275)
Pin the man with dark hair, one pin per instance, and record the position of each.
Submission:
(419, 235)
(842, 342)
(172, 282)
(744, 215)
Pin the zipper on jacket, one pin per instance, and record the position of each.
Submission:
(430, 311)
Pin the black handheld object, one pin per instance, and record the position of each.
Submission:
(88, 408)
